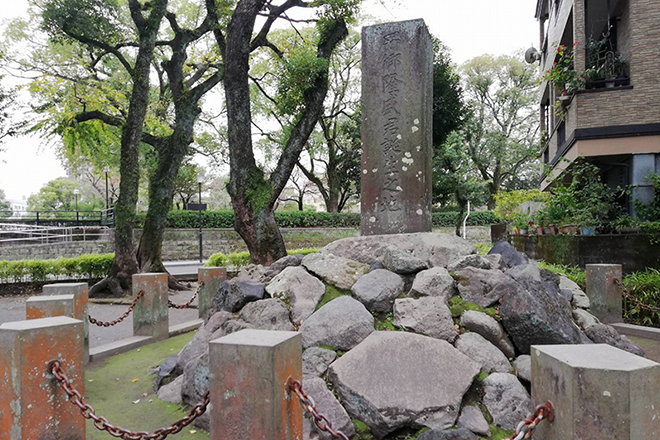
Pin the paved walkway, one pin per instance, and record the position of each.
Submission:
(12, 308)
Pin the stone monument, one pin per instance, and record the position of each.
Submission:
(397, 97)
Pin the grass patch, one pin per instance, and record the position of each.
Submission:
(497, 433)
(111, 388)
(483, 248)
(573, 273)
(458, 306)
(331, 292)
(383, 321)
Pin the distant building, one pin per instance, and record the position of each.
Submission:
(19, 207)
(614, 119)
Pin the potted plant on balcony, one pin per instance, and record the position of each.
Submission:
(563, 75)
(520, 223)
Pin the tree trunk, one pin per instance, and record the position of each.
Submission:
(119, 280)
(259, 231)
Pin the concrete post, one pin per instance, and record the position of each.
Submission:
(598, 391)
(151, 314)
(33, 406)
(603, 293)
(212, 277)
(80, 305)
(37, 307)
(248, 373)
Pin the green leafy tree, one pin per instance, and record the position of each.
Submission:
(58, 195)
(301, 92)
(448, 108)
(186, 187)
(454, 180)
(502, 143)
(5, 207)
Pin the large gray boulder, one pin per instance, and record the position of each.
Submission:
(510, 255)
(490, 329)
(532, 315)
(396, 379)
(316, 360)
(506, 399)
(483, 287)
(267, 314)
(195, 382)
(476, 261)
(300, 289)
(523, 365)
(584, 319)
(171, 393)
(434, 249)
(378, 289)
(403, 261)
(473, 419)
(199, 344)
(327, 405)
(234, 294)
(606, 334)
(338, 271)
(489, 357)
(448, 434)
(429, 316)
(253, 272)
(580, 299)
(342, 324)
(434, 282)
(277, 267)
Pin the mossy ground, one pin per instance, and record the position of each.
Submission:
(111, 388)
(331, 293)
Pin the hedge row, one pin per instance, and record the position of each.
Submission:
(240, 259)
(306, 219)
(83, 267)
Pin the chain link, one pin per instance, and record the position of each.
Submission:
(629, 296)
(102, 424)
(309, 406)
(526, 428)
(121, 318)
(186, 305)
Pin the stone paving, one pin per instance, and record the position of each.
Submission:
(12, 308)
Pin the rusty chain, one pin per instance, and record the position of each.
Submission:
(186, 305)
(121, 318)
(309, 406)
(629, 296)
(526, 428)
(102, 424)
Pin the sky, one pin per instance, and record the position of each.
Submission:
(468, 28)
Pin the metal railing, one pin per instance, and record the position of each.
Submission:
(13, 234)
(104, 217)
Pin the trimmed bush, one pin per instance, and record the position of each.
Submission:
(240, 259)
(305, 219)
(38, 271)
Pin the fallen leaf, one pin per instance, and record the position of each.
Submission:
(136, 401)
(138, 349)
(192, 431)
(144, 394)
(90, 380)
(135, 379)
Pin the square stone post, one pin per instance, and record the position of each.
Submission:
(151, 316)
(249, 371)
(37, 307)
(80, 305)
(212, 277)
(603, 292)
(33, 406)
(397, 125)
(599, 392)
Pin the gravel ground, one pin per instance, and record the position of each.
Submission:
(12, 308)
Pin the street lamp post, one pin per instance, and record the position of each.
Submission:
(75, 193)
(107, 201)
(199, 207)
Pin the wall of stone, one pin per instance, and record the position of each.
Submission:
(635, 252)
(183, 244)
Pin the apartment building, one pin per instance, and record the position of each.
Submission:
(610, 113)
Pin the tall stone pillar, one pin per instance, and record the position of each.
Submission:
(397, 123)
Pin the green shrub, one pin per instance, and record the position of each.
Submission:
(573, 273)
(507, 203)
(239, 259)
(477, 218)
(645, 287)
(37, 271)
(304, 219)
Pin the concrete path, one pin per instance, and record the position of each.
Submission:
(12, 308)
(185, 268)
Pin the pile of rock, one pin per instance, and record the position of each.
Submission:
(414, 331)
